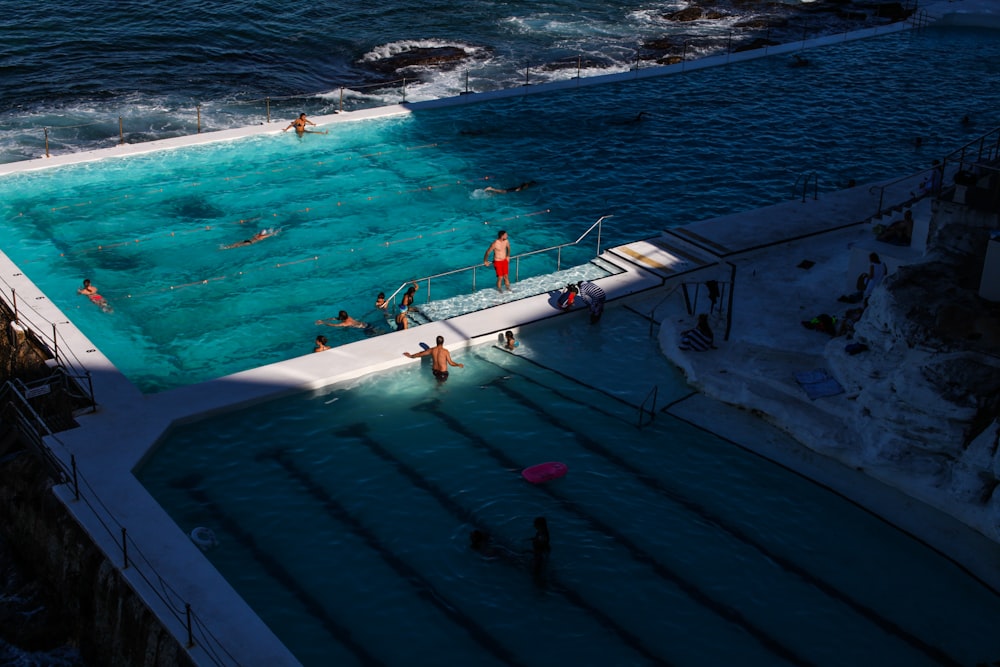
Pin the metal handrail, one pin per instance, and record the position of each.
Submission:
(72, 369)
(652, 410)
(805, 179)
(517, 258)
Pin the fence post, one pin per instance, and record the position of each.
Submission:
(199, 118)
(47, 142)
(121, 131)
(187, 614)
(90, 390)
(267, 106)
(732, 290)
(76, 481)
(55, 343)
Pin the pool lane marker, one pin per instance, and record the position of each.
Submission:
(731, 614)
(277, 571)
(423, 587)
(360, 431)
(886, 625)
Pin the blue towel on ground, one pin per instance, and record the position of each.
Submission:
(818, 383)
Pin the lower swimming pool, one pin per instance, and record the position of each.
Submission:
(379, 202)
(343, 518)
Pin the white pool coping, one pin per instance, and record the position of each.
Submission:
(112, 442)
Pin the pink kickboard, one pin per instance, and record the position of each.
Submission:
(543, 472)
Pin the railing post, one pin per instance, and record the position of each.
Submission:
(13, 298)
(404, 90)
(527, 67)
(124, 550)
(199, 118)
(187, 614)
(341, 99)
(267, 108)
(90, 391)
(47, 142)
(579, 67)
(76, 481)
(732, 291)
(559, 259)
(121, 131)
(55, 343)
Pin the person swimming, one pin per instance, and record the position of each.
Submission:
(90, 291)
(344, 320)
(516, 188)
(256, 238)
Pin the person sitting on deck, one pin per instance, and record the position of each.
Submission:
(700, 338)
(899, 232)
(822, 322)
(568, 296)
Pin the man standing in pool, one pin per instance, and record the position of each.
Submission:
(440, 359)
(501, 259)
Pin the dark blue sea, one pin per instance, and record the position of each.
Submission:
(86, 71)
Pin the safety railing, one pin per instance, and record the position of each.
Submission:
(16, 412)
(650, 400)
(975, 172)
(516, 261)
(45, 333)
(801, 185)
(361, 96)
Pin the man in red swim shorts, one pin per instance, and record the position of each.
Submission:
(501, 259)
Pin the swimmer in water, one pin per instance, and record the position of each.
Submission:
(259, 236)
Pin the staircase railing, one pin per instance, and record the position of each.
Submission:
(651, 411)
(515, 261)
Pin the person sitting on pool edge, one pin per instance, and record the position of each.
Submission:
(440, 359)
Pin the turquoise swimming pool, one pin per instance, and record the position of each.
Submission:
(343, 517)
(379, 202)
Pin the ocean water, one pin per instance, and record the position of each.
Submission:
(88, 64)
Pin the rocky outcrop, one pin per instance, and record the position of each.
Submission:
(928, 390)
(442, 57)
(97, 611)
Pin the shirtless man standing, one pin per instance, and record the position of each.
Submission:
(501, 259)
(440, 359)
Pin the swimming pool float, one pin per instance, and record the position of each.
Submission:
(544, 472)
